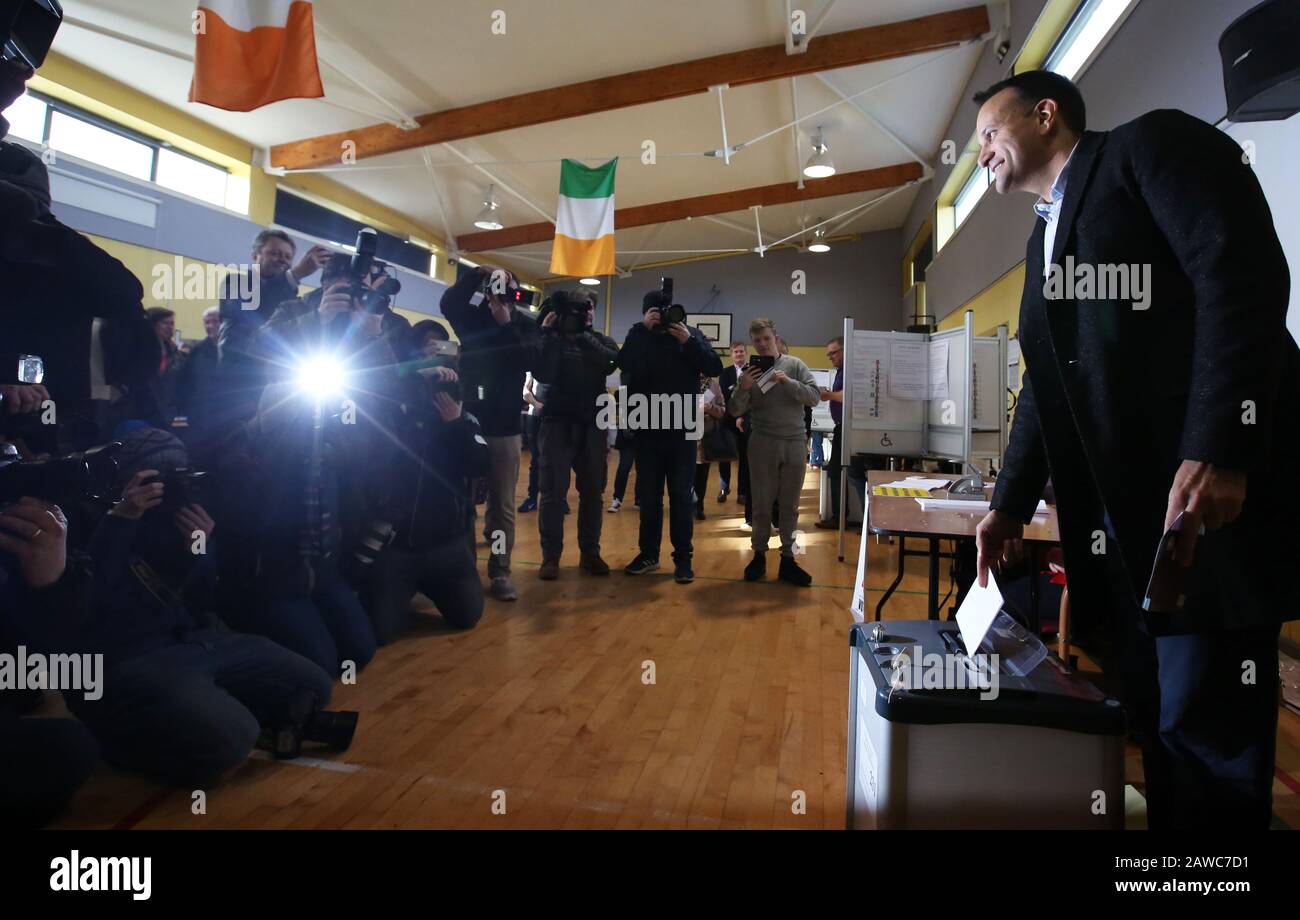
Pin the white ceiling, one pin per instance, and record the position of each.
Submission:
(426, 55)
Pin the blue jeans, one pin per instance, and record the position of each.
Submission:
(672, 461)
(187, 712)
(818, 459)
(329, 626)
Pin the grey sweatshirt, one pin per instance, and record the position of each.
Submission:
(778, 413)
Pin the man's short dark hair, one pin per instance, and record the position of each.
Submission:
(429, 327)
(740, 343)
(156, 315)
(838, 340)
(272, 233)
(1034, 85)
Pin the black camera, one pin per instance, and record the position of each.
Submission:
(502, 285)
(667, 311)
(307, 722)
(570, 310)
(90, 474)
(181, 486)
(27, 30)
(362, 267)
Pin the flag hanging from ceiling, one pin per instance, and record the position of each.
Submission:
(584, 225)
(249, 53)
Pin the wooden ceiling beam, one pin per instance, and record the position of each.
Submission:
(701, 206)
(757, 65)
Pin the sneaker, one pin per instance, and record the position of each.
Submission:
(791, 572)
(614, 506)
(593, 564)
(550, 570)
(747, 525)
(530, 504)
(722, 496)
(831, 524)
(682, 573)
(640, 565)
(757, 568)
(699, 512)
(503, 589)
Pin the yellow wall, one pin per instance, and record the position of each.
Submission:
(75, 83)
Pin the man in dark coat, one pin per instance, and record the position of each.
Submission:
(1160, 381)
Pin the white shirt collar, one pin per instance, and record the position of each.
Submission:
(1048, 209)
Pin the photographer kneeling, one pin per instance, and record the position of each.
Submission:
(185, 698)
(423, 507)
(576, 360)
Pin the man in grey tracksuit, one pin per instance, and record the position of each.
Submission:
(778, 448)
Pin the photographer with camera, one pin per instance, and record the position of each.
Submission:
(664, 356)
(775, 389)
(415, 541)
(56, 282)
(499, 345)
(575, 362)
(169, 662)
(44, 588)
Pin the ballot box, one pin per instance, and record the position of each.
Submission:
(938, 738)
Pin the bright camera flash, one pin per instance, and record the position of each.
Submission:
(321, 376)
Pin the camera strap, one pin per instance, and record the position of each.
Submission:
(153, 583)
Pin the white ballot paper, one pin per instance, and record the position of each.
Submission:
(766, 382)
(909, 370)
(977, 612)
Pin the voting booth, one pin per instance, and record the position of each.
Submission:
(924, 395)
(965, 749)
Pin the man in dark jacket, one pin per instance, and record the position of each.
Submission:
(423, 508)
(199, 398)
(55, 281)
(499, 345)
(665, 362)
(574, 367)
(1162, 383)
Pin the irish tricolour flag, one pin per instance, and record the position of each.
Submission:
(584, 225)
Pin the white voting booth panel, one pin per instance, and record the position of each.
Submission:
(923, 395)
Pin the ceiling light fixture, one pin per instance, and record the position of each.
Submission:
(819, 243)
(487, 218)
(819, 165)
(589, 281)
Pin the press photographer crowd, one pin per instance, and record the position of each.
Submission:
(230, 526)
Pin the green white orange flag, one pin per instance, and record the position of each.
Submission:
(248, 53)
(584, 225)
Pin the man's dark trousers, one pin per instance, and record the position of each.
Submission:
(671, 460)
(581, 447)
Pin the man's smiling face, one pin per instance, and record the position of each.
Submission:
(1014, 142)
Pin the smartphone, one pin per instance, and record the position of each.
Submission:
(764, 363)
(1167, 587)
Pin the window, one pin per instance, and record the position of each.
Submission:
(971, 192)
(1083, 36)
(27, 119)
(82, 139)
(66, 129)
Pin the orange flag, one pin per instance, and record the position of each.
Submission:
(249, 53)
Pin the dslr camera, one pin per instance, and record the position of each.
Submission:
(89, 474)
(570, 310)
(361, 267)
(181, 486)
(667, 311)
(500, 284)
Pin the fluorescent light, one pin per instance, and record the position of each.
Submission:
(466, 262)
(819, 165)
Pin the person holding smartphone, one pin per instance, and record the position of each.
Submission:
(777, 445)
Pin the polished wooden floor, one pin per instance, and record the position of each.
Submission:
(594, 703)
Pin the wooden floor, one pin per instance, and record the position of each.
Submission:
(594, 703)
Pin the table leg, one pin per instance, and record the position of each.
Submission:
(898, 579)
(934, 578)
